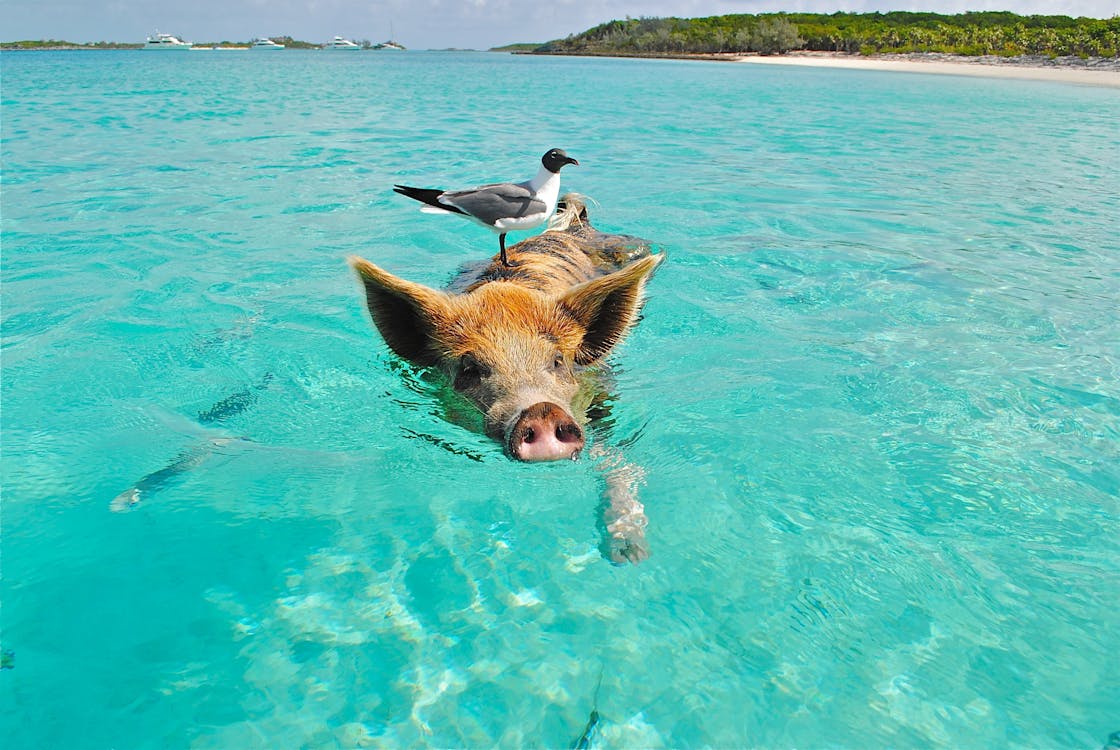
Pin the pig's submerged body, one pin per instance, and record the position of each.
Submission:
(523, 342)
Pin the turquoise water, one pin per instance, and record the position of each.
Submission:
(874, 397)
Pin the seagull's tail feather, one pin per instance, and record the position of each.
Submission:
(427, 196)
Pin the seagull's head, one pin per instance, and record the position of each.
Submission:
(555, 159)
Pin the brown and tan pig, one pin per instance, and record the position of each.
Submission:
(518, 342)
(522, 343)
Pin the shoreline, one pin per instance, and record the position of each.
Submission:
(1095, 72)
(1101, 72)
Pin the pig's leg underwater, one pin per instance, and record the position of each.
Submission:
(189, 459)
(196, 455)
(622, 515)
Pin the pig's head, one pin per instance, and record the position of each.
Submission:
(514, 352)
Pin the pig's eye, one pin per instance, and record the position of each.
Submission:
(558, 362)
(470, 372)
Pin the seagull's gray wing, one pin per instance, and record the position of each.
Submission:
(492, 203)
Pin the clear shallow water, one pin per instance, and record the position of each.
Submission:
(875, 399)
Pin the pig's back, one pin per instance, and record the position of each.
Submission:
(555, 260)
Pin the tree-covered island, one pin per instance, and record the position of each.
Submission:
(973, 34)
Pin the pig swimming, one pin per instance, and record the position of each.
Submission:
(521, 343)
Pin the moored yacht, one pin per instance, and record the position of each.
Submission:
(166, 41)
(265, 43)
(338, 43)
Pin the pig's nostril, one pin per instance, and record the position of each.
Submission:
(568, 433)
(529, 435)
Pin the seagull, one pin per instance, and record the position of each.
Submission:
(503, 207)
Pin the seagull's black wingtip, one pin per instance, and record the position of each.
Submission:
(430, 196)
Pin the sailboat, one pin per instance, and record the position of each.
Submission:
(389, 44)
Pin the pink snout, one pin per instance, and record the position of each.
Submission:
(545, 432)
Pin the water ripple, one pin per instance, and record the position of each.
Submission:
(872, 402)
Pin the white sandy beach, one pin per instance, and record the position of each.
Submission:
(1057, 73)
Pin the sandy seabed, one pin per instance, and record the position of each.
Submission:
(1092, 73)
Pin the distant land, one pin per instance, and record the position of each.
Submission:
(55, 44)
(518, 47)
(970, 34)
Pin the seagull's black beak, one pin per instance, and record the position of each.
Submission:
(570, 160)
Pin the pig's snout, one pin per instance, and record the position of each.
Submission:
(545, 432)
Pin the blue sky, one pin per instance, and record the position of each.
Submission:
(423, 24)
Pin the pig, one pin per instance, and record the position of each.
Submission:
(523, 343)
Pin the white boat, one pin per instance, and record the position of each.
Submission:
(340, 44)
(166, 41)
(389, 43)
(265, 43)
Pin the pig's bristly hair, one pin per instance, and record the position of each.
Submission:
(572, 209)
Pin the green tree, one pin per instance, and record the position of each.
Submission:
(775, 35)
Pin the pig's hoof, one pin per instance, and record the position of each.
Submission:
(125, 501)
(630, 547)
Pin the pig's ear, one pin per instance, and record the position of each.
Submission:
(606, 307)
(405, 313)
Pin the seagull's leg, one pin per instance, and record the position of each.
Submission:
(502, 245)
